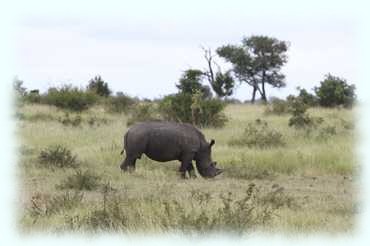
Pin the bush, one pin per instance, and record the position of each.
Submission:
(190, 108)
(70, 98)
(277, 106)
(81, 181)
(335, 91)
(121, 103)
(32, 97)
(73, 121)
(142, 112)
(42, 205)
(307, 98)
(57, 156)
(99, 87)
(259, 135)
(300, 118)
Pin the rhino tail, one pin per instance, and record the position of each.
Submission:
(124, 143)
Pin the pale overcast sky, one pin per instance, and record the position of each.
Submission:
(142, 48)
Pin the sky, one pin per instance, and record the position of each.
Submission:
(142, 48)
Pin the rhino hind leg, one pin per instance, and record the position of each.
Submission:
(129, 164)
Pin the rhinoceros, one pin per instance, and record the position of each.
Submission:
(167, 141)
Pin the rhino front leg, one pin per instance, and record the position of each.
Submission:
(186, 164)
(191, 171)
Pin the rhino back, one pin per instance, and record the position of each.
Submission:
(163, 141)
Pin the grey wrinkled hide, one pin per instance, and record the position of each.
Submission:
(167, 141)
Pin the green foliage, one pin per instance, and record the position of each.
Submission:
(257, 61)
(307, 98)
(277, 106)
(335, 91)
(32, 97)
(57, 156)
(300, 119)
(258, 134)
(81, 180)
(191, 82)
(176, 107)
(205, 113)
(70, 98)
(142, 112)
(120, 103)
(98, 86)
(223, 85)
(212, 113)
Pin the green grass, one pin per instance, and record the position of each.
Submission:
(316, 173)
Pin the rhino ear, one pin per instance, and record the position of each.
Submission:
(212, 142)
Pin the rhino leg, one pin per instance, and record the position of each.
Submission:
(128, 164)
(191, 171)
(186, 164)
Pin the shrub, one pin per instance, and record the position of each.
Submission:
(191, 108)
(277, 106)
(327, 132)
(99, 87)
(258, 134)
(176, 107)
(142, 112)
(335, 91)
(43, 205)
(300, 119)
(121, 103)
(32, 97)
(307, 98)
(73, 121)
(211, 113)
(97, 121)
(70, 98)
(81, 181)
(277, 198)
(57, 156)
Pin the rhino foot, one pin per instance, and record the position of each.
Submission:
(192, 174)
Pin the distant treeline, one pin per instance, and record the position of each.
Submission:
(255, 63)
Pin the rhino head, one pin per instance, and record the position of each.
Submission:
(205, 166)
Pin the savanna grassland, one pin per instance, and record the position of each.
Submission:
(306, 183)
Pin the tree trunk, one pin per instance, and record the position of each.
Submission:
(263, 95)
(254, 94)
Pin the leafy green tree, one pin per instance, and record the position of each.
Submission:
(257, 62)
(191, 81)
(334, 91)
(98, 86)
(222, 83)
(307, 98)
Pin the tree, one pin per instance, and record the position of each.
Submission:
(306, 97)
(98, 86)
(256, 62)
(18, 87)
(334, 91)
(190, 82)
(221, 83)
